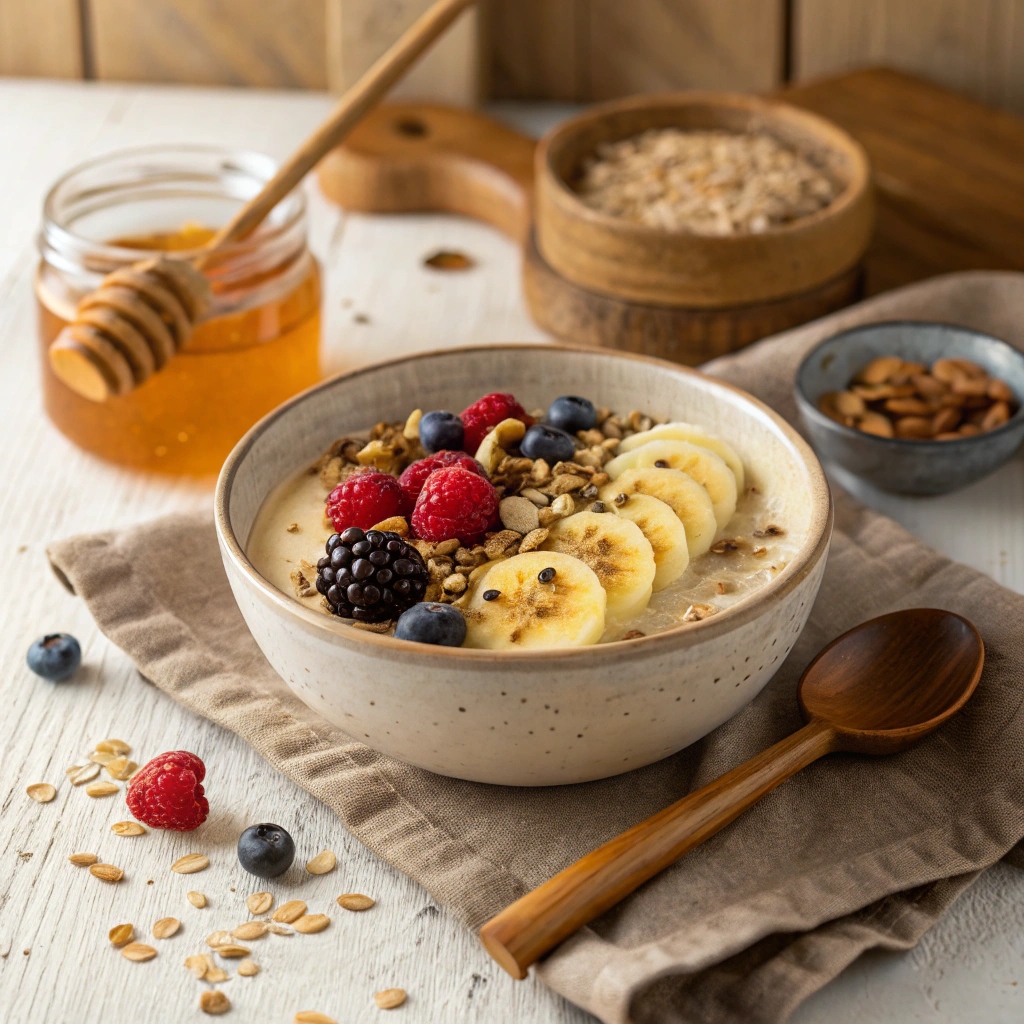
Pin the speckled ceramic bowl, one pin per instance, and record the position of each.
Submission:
(528, 718)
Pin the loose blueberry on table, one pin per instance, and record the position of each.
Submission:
(265, 850)
(55, 657)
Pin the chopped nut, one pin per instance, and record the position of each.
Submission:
(500, 544)
(454, 585)
(697, 612)
(390, 998)
(541, 472)
(138, 952)
(533, 540)
(292, 527)
(566, 484)
(214, 1002)
(611, 430)
(41, 792)
(411, 430)
(190, 864)
(563, 506)
(260, 902)
(355, 901)
(121, 934)
(322, 863)
(396, 524)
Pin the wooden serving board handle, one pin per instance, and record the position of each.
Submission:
(415, 158)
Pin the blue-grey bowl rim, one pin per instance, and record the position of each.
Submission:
(808, 407)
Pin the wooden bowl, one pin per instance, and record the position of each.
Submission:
(614, 256)
(528, 718)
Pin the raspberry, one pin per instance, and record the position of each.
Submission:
(486, 413)
(365, 499)
(455, 503)
(415, 476)
(166, 793)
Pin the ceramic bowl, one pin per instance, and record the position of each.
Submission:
(528, 717)
(896, 464)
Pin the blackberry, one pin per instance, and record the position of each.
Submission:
(370, 577)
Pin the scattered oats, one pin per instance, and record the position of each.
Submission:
(248, 930)
(79, 773)
(128, 828)
(290, 912)
(83, 860)
(390, 998)
(198, 965)
(310, 923)
(313, 1017)
(247, 969)
(216, 974)
(218, 938)
(102, 757)
(197, 899)
(121, 934)
(106, 872)
(138, 951)
(165, 927)
(190, 864)
(41, 792)
(232, 951)
(122, 769)
(563, 505)
(322, 863)
(117, 747)
(292, 527)
(279, 929)
(260, 902)
(355, 901)
(697, 612)
(98, 789)
(214, 1002)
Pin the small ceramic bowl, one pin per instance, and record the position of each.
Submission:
(896, 464)
(528, 717)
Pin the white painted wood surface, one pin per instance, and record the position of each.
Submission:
(56, 965)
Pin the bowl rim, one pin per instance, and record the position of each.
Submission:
(815, 545)
(811, 411)
(831, 134)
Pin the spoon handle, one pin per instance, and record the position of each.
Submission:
(538, 921)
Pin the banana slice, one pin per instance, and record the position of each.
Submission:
(665, 532)
(693, 434)
(680, 492)
(707, 468)
(616, 550)
(569, 611)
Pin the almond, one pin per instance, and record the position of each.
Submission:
(879, 370)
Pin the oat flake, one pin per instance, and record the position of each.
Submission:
(81, 773)
(355, 901)
(390, 998)
(247, 969)
(106, 872)
(190, 864)
(121, 934)
(310, 923)
(128, 828)
(214, 1002)
(248, 930)
(41, 792)
(260, 902)
(98, 789)
(138, 952)
(197, 899)
(165, 927)
(313, 1017)
(322, 863)
(83, 860)
(290, 912)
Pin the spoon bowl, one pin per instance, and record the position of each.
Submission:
(890, 681)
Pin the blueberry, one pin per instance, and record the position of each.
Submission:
(55, 657)
(441, 431)
(549, 443)
(432, 623)
(265, 850)
(572, 413)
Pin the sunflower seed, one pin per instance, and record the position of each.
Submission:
(190, 863)
(197, 899)
(313, 1017)
(98, 789)
(260, 902)
(355, 901)
(279, 929)
(322, 863)
(138, 951)
(214, 1002)
(390, 998)
(218, 938)
(41, 792)
(232, 951)
(246, 968)
(198, 965)
(248, 930)
(121, 768)
(121, 934)
(116, 747)
(310, 923)
(106, 872)
(83, 860)
(127, 828)
(290, 912)
(79, 773)
(165, 927)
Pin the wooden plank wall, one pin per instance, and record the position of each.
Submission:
(523, 49)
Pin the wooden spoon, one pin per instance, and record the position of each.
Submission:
(141, 315)
(875, 690)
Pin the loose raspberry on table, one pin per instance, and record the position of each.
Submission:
(365, 499)
(415, 476)
(485, 414)
(455, 502)
(166, 793)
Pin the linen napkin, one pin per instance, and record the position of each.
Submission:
(852, 853)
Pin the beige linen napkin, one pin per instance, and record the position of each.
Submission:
(853, 853)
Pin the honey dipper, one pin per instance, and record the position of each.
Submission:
(141, 315)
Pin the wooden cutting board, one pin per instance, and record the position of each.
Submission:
(948, 172)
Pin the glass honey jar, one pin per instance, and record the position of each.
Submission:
(257, 346)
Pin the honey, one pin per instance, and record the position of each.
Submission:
(258, 347)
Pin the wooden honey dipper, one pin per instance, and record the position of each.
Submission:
(141, 315)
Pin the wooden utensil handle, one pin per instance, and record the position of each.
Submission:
(352, 106)
(536, 923)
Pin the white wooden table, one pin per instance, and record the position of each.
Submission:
(56, 965)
